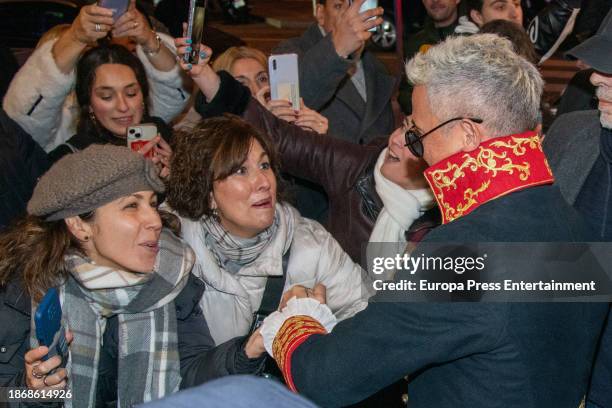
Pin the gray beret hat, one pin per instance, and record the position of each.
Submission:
(83, 181)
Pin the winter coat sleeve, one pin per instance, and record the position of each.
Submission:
(201, 360)
(36, 97)
(168, 93)
(346, 283)
(385, 342)
(332, 163)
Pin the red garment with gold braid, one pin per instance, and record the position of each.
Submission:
(464, 181)
(292, 333)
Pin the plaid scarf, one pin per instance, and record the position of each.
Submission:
(148, 366)
(232, 252)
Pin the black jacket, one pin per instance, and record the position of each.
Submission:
(466, 354)
(199, 358)
(84, 138)
(22, 161)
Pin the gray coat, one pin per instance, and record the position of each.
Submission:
(572, 146)
(327, 88)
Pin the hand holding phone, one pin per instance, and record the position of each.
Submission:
(284, 78)
(369, 5)
(195, 29)
(119, 7)
(50, 330)
(351, 28)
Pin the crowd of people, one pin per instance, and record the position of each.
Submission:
(233, 244)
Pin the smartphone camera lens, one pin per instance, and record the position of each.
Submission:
(132, 131)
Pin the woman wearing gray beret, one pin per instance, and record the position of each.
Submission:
(129, 299)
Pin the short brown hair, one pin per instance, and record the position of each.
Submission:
(517, 36)
(212, 151)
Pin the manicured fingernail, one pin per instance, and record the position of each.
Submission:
(203, 54)
(188, 66)
(188, 41)
(188, 49)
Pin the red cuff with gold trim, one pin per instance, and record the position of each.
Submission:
(292, 333)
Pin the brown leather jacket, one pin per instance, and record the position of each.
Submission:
(345, 170)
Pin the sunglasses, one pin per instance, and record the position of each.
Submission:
(414, 140)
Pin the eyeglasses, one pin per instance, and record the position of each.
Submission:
(414, 140)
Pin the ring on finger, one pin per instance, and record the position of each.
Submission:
(98, 27)
(36, 374)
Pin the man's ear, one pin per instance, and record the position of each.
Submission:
(320, 14)
(471, 135)
(79, 228)
(477, 17)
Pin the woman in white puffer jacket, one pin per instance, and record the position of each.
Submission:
(223, 184)
(40, 97)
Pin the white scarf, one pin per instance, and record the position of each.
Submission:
(401, 207)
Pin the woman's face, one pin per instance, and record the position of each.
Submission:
(246, 199)
(250, 73)
(116, 98)
(400, 166)
(124, 233)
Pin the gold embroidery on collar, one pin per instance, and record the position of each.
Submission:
(488, 161)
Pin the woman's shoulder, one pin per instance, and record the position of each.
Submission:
(305, 230)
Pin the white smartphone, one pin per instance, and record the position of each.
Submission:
(140, 135)
(367, 5)
(285, 78)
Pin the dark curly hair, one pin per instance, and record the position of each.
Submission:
(212, 151)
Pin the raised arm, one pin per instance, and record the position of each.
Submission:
(323, 66)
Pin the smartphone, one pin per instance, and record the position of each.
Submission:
(367, 5)
(119, 7)
(195, 29)
(140, 135)
(285, 78)
(50, 330)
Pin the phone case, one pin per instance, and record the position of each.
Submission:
(118, 6)
(140, 135)
(195, 29)
(50, 331)
(285, 78)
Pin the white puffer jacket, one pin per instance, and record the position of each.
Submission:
(230, 300)
(41, 99)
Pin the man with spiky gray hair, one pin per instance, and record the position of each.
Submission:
(475, 104)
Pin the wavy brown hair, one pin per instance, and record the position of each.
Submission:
(32, 250)
(212, 151)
